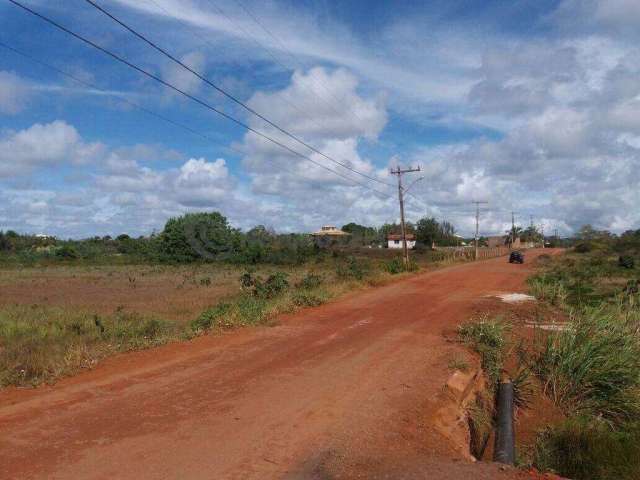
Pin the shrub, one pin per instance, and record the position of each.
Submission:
(273, 286)
(310, 281)
(394, 266)
(306, 298)
(582, 247)
(212, 317)
(626, 261)
(67, 252)
(251, 310)
(353, 269)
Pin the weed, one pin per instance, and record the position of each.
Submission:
(458, 364)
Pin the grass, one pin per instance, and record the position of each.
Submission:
(487, 337)
(592, 369)
(43, 343)
(72, 317)
(582, 449)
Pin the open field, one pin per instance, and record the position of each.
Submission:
(58, 319)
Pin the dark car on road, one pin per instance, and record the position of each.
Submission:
(516, 257)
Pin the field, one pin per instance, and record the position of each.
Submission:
(58, 319)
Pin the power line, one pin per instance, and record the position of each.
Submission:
(195, 99)
(291, 54)
(275, 59)
(119, 97)
(225, 93)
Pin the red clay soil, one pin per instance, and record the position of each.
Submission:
(342, 391)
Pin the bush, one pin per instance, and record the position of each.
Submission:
(352, 269)
(584, 449)
(310, 281)
(306, 298)
(626, 261)
(67, 252)
(213, 317)
(273, 286)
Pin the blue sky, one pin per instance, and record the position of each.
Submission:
(531, 105)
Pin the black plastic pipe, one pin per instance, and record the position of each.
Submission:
(505, 445)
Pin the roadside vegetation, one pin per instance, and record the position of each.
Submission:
(588, 368)
(591, 369)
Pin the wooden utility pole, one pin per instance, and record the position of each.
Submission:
(478, 202)
(398, 171)
(513, 229)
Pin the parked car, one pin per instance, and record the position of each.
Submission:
(516, 257)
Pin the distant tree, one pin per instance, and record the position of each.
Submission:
(429, 231)
(199, 236)
(360, 234)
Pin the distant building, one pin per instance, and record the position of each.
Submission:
(330, 236)
(497, 241)
(330, 231)
(395, 240)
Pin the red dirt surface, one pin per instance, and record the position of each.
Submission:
(342, 391)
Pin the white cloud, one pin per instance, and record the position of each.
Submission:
(44, 145)
(182, 78)
(14, 93)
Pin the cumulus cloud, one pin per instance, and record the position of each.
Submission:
(44, 145)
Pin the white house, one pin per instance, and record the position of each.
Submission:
(395, 240)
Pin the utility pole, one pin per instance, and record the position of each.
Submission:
(542, 233)
(513, 229)
(477, 202)
(398, 171)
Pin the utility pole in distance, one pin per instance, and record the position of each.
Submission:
(513, 229)
(398, 171)
(478, 202)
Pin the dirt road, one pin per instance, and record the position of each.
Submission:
(346, 390)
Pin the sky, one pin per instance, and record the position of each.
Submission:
(532, 106)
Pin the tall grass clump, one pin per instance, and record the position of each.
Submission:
(594, 367)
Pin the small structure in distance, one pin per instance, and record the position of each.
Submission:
(394, 240)
(329, 235)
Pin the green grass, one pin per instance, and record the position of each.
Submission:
(594, 367)
(584, 449)
(488, 338)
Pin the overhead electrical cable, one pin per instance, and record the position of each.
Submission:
(225, 93)
(344, 163)
(119, 97)
(291, 54)
(188, 95)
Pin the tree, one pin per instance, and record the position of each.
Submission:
(360, 234)
(429, 231)
(196, 236)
